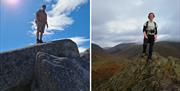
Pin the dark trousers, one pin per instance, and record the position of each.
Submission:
(150, 40)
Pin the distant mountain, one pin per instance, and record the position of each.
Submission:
(168, 48)
(119, 47)
(100, 53)
(131, 49)
(121, 68)
(100, 59)
(98, 50)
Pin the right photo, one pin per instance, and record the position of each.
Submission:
(135, 45)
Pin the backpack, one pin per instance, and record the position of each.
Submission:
(151, 32)
(154, 24)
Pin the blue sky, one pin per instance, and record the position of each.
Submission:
(67, 19)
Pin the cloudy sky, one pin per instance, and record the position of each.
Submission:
(66, 18)
(121, 21)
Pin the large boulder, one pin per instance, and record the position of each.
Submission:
(85, 55)
(59, 74)
(85, 59)
(17, 67)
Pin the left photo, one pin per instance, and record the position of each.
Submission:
(44, 45)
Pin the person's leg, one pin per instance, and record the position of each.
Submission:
(37, 33)
(151, 41)
(42, 27)
(41, 35)
(145, 42)
(37, 36)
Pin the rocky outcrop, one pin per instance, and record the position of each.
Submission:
(59, 74)
(85, 57)
(51, 70)
(162, 74)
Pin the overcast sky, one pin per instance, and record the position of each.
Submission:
(121, 21)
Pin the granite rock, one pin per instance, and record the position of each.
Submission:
(17, 67)
(59, 74)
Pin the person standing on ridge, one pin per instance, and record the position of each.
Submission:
(150, 35)
(41, 21)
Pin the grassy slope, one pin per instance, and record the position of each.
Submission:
(163, 74)
(111, 72)
(104, 65)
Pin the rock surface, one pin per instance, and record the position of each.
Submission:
(18, 71)
(59, 74)
(85, 57)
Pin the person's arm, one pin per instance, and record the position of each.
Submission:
(145, 35)
(145, 31)
(37, 17)
(47, 24)
(46, 21)
(155, 36)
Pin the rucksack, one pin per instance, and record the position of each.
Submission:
(154, 24)
(152, 31)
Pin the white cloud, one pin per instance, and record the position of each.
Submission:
(58, 16)
(121, 21)
(47, 1)
(139, 2)
(126, 25)
(80, 42)
(82, 49)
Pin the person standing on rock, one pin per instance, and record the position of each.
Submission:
(150, 35)
(41, 21)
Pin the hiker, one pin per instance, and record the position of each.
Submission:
(150, 35)
(41, 21)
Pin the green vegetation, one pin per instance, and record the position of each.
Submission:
(162, 74)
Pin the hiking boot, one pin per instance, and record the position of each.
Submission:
(37, 41)
(41, 41)
(143, 55)
(149, 60)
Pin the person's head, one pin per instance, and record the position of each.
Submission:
(151, 16)
(43, 7)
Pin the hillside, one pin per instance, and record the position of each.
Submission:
(131, 49)
(129, 72)
(163, 74)
(52, 66)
